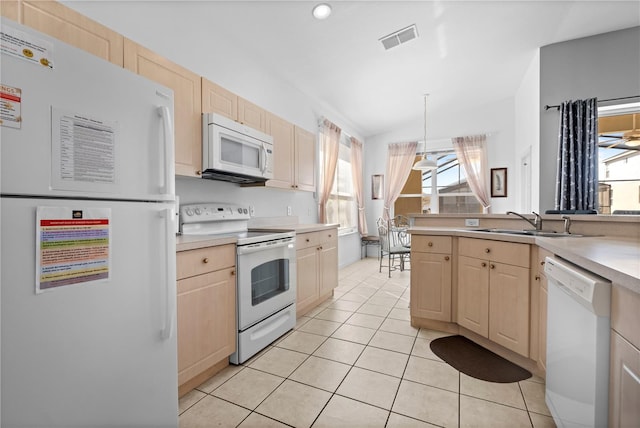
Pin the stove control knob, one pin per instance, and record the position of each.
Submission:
(244, 211)
(189, 211)
(198, 211)
(239, 210)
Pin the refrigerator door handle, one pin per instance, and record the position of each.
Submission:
(169, 167)
(170, 271)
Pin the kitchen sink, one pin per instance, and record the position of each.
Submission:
(530, 232)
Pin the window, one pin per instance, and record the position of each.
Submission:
(341, 206)
(619, 159)
(451, 188)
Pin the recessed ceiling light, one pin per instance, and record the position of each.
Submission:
(322, 11)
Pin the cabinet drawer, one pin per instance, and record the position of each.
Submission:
(504, 252)
(203, 260)
(431, 244)
(313, 239)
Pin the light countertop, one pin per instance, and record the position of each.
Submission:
(613, 258)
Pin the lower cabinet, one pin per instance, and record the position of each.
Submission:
(542, 307)
(624, 392)
(493, 291)
(431, 277)
(624, 382)
(317, 267)
(206, 313)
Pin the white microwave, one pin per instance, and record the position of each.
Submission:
(235, 152)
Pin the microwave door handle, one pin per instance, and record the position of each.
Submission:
(263, 168)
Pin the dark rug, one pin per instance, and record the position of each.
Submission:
(476, 361)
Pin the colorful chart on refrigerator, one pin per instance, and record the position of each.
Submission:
(73, 246)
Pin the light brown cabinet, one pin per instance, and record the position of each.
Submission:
(493, 291)
(252, 115)
(317, 267)
(294, 155)
(216, 99)
(63, 23)
(206, 313)
(624, 375)
(431, 264)
(187, 99)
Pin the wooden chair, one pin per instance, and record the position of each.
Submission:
(396, 254)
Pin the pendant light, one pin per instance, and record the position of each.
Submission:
(425, 164)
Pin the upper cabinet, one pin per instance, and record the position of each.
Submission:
(294, 155)
(252, 115)
(9, 9)
(305, 164)
(216, 99)
(65, 24)
(187, 92)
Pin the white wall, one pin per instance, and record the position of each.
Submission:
(497, 120)
(527, 126)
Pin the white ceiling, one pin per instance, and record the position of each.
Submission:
(468, 52)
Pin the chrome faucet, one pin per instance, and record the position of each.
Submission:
(537, 222)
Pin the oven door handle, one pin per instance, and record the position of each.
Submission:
(248, 249)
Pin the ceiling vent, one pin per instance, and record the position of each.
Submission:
(399, 37)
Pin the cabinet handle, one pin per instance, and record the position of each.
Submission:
(319, 248)
(446, 258)
(233, 273)
(205, 260)
(542, 263)
(307, 239)
(430, 244)
(537, 277)
(329, 236)
(492, 266)
(198, 172)
(483, 264)
(487, 250)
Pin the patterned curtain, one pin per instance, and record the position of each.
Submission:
(399, 162)
(356, 173)
(577, 173)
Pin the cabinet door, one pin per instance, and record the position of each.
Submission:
(431, 286)
(206, 321)
(283, 159)
(252, 115)
(186, 100)
(624, 391)
(473, 294)
(509, 307)
(71, 27)
(305, 160)
(307, 278)
(216, 99)
(328, 253)
(542, 324)
(9, 9)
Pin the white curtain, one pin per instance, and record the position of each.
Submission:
(329, 149)
(399, 162)
(356, 173)
(472, 155)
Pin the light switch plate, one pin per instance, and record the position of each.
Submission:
(471, 222)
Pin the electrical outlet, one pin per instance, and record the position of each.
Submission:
(289, 210)
(252, 211)
(472, 222)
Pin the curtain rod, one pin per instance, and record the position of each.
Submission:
(557, 107)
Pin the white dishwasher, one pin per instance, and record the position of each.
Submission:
(578, 331)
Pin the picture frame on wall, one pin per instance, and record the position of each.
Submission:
(377, 186)
(498, 182)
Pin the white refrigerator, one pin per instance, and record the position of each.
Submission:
(88, 289)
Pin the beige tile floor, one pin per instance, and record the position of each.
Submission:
(355, 361)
